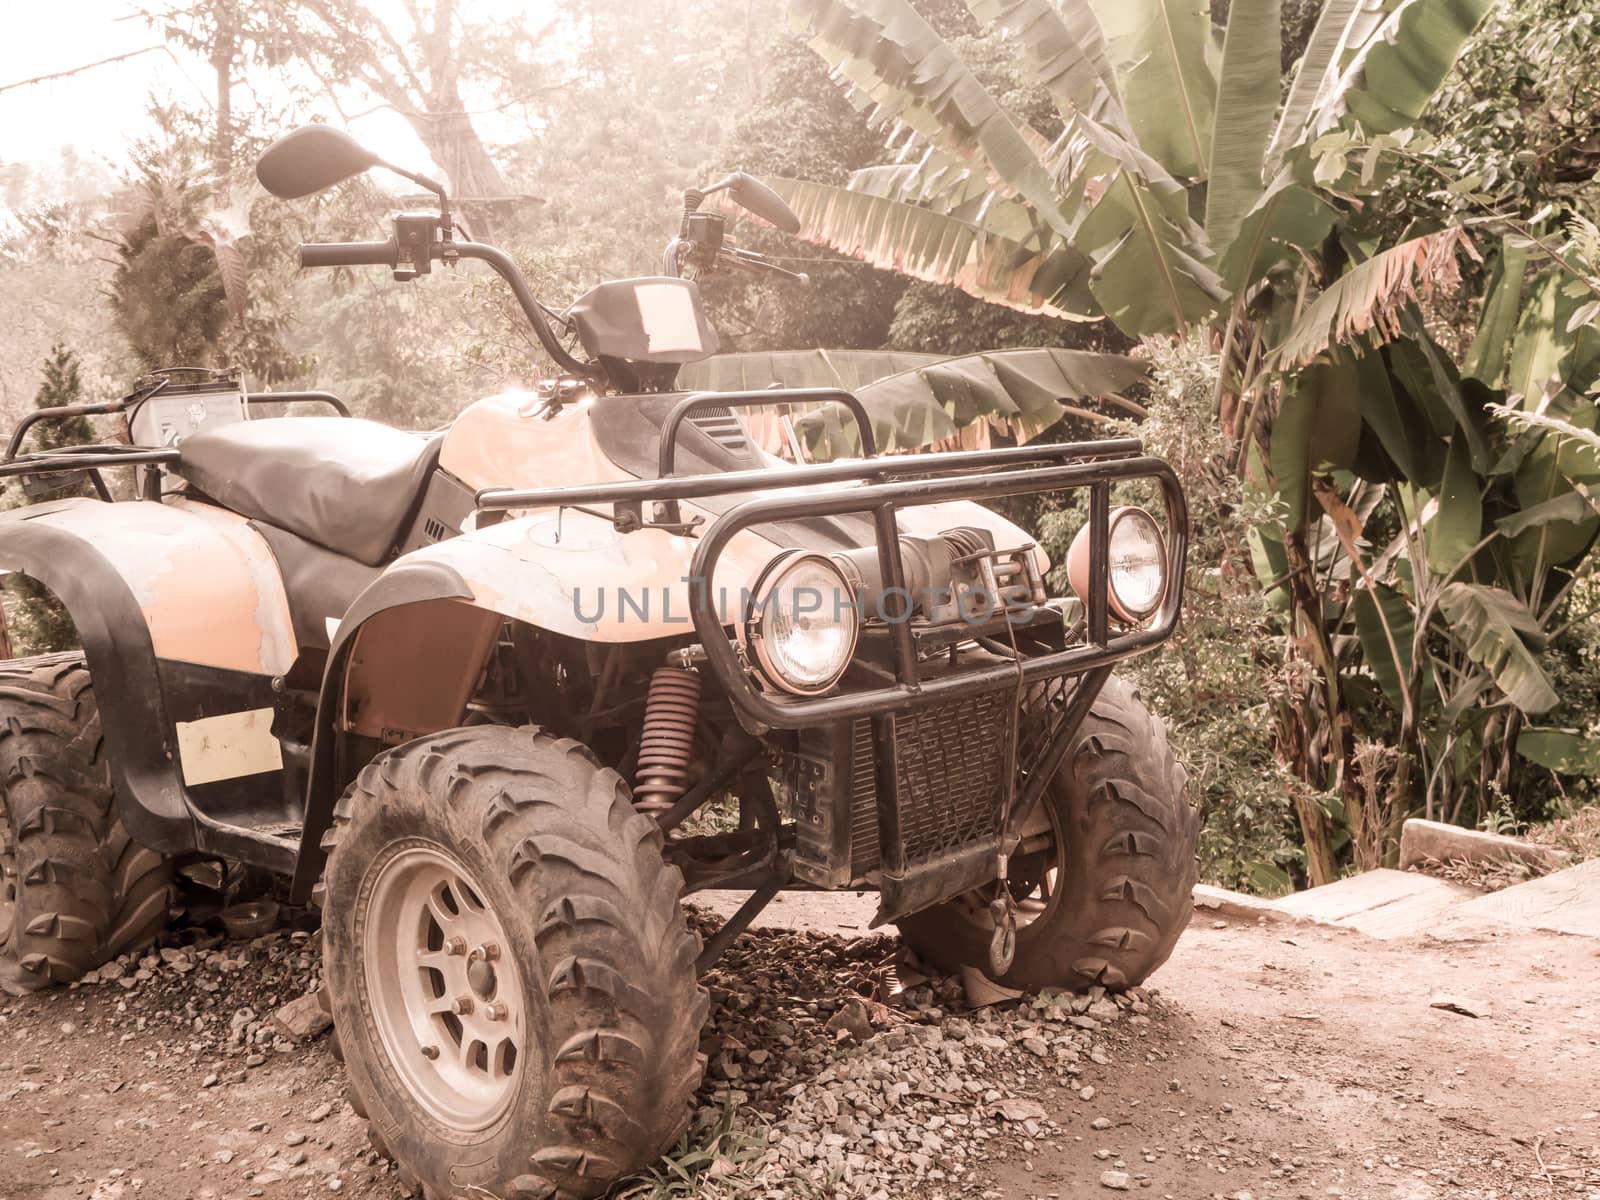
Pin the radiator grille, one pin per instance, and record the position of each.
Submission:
(864, 852)
(952, 764)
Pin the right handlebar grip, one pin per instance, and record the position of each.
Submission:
(350, 254)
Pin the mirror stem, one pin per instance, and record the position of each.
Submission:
(431, 185)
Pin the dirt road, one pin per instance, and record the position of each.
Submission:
(1286, 1061)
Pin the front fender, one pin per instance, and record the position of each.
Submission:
(574, 574)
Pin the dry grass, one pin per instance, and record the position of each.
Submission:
(1578, 834)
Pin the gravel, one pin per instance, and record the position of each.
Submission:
(835, 1068)
(849, 1072)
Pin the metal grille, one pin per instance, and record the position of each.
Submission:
(952, 764)
(865, 854)
(722, 427)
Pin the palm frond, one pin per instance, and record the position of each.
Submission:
(1369, 298)
(1047, 277)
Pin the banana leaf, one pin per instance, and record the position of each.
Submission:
(1541, 347)
(1317, 427)
(1052, 278)
(1023, 392)
(1164, 55)
(1286, 220)
(1065, 51)
(1386, 668)
(1327, 39)
(1247, 94)
(1486, 360)
(890, 53)
(756, 370)
(1490, 623)
(1389, 60)
(1456, 525)
(1564, 751)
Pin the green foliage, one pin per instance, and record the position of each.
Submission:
(1090, 213)
(35, 621)
(1216, 680)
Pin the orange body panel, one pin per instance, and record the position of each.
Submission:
(206, 582)
(573, 573)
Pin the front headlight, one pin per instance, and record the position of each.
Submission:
(800, 629)
(1137, 564)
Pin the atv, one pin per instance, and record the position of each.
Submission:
(467, 689)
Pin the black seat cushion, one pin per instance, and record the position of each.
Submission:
(345, 484)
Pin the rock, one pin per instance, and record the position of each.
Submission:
(211, 1081)
(1100, 1123)
(1019, 1110)
(295, 1139)
(303, 1019)
(851, 1022)
(320, 1113)
(1117, 1181)
(1086, 1092)
(982, 991)
(1464, 1005)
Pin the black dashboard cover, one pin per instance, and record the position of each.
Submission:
(650, 320)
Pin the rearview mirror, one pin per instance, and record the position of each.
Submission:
(750, 194)
(309, 159)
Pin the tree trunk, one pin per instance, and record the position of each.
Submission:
(223, 48)
(471, 174)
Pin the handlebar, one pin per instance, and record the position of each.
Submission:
(350, 254)
(387, 254)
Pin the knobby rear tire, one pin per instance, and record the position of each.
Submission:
(81, 891)
(606, 963)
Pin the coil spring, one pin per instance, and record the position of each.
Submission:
(666, 745)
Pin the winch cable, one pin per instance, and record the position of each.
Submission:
(1003, 946)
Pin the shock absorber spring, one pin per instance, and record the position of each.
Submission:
(666, 745)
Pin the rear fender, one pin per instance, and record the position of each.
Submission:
(184, 626)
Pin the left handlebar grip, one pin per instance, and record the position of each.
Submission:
(350, 254)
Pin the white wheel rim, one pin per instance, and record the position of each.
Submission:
(442, 987)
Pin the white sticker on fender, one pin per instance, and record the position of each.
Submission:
(228, 747)
(666, 310)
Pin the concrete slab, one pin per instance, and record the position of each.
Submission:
(1565, 902)
(1421, 840)
(1383, 904)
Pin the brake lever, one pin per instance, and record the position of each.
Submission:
(751, 261)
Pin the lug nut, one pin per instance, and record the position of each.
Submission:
(455, 945)
(496, 1012)
(463, 1005)
(487, 952)
(430, 1052)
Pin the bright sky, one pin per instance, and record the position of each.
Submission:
(100, 111)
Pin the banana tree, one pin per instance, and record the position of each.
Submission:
(1175, 183)
(1485, 486)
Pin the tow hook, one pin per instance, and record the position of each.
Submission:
(1003, 908)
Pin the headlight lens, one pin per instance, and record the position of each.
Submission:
(802, 624)
(1137, 561)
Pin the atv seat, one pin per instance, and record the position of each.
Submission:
(347, 485)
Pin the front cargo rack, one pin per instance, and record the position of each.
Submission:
(889, 483)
